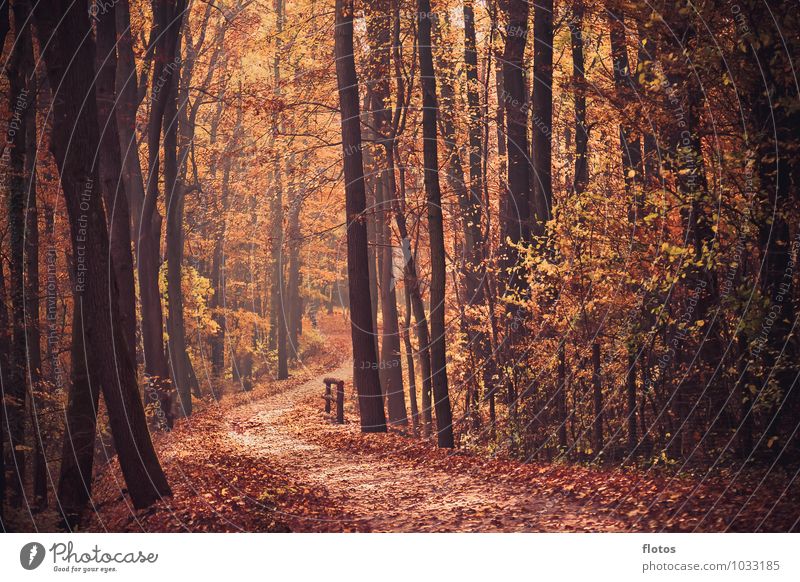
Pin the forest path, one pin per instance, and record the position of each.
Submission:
(365, 490)
(270, 460)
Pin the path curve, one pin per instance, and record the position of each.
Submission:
(372, 492)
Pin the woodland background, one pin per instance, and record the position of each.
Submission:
(564, 234)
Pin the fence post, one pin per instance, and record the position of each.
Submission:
(340, 402)
(327, 397)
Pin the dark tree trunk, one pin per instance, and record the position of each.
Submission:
(127, 103)
(379, 19)
(65, 32)
(279, 306)
(32, 293)
(175, 196)
(167, 19)
(5, 342)
(581, 178)
(412, 378)
(370, 400)
(561, 400)
(625, 90)
(77, 455)
(632, 407)
(295, 301)
(111, 174)
(542, 111)
(597, 397)
(20, 77)
(218, 274)
(515, 213)
(441, 404)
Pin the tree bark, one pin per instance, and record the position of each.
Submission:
(279, 306)
(5, 340)
(379, 18)
(515, 213)
(111, 173)
(444, 415)
(370, 400)
(20, 77)
(69, 54)
(175, 196)
(581, 178)
(32, 293)
(77, 455)
(542, 112)
(167, 19)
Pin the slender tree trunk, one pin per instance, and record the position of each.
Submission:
(218, 303)
(625, 86)
(278, 286)
(20, 77)
(597, 398)
(5, 340)
(632, 406)
(561, 400)
(370, 399)
(77, 455)
(412, 378)
(294, 278)
(379, 20)
(444, 415)
(111, 173)
(515, 214)
(32, 293)
(5, 343)
(175, 196)
(69, 54)
(542, 112)
(581, 179)
(168, 18)
(126, 106)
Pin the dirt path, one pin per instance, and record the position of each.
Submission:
(386, 493)
(270, 460)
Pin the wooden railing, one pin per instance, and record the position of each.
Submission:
(339, 398)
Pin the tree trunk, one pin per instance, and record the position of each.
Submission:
(542, 112)
(561, 400)
(295, 301)
(32, 293)
(597, 396)
(69, 54)
(111, 174)
(515, 214)
(628, 140)
(175, 196)
(370, 400)
(167, 19)
(581, 178)
(127, 104)
(379, 18)
(444, 416)
(5, 343)
(412, 378)
(77, 455)
(278, 287)
(20, 76)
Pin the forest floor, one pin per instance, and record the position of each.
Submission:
(270, 460)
